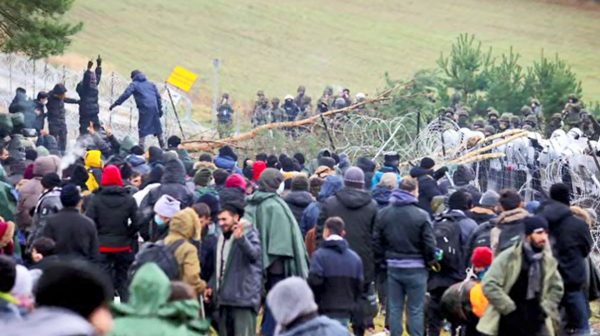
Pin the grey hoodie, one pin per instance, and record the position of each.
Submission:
(50, 321)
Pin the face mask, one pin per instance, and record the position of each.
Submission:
(481, 274)
(158, 220)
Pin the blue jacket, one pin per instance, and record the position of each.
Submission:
(382, 195)
(228, 163)
(310, 215)
(138, 163)
(383, 170)
(149, 104)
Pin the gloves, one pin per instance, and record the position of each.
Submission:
(90, 64)
(99, 61)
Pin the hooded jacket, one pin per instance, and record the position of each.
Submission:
(48, 204)
(50, 321)
(228, 163)
(138, 163)
(149, 312)
(149, 104)
(358, 210)
(186, 225)
(381, 195)
(75, 235)
(368, 167)
(310, 216)
(509, 229)
(319, 326)
(93, 164)
(298, 201)
(56, 105)
(428, 187)
(87, 90)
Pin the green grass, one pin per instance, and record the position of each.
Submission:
(278, 45)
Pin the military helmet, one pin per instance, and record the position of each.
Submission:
(514, 119)
(275, 100)
(463, 113)
(526, 110)
(528, 128)
(535, 101)
(531, 118)
(301, 88)
(492, 112)
(557, 116)
(573, 97)
(479, 123)
(225, 96)
(505, 117)
(260, 93)
(489, 129)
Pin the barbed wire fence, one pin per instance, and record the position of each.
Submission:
(34, 76)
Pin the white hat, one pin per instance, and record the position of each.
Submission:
(289, 96)
(167, 206)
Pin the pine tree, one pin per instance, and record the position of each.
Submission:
(35, 27)
(505, 92)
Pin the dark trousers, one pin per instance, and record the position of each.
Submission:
(576, 312)
(116, 265)
(381, 285)
(59, 131)
(434, 312)
(268, 323)
(84, 123)
(237, 321)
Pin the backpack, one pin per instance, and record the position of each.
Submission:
(448, 238)
(160, 254)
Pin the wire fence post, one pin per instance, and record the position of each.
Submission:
(10, 72)
(112, 94)
(33, 93)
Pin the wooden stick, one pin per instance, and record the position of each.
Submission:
(490, 147)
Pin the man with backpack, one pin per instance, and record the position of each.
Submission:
(404, 244)
(509, 228)
(158, 227)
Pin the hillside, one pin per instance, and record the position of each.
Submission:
(277, 46)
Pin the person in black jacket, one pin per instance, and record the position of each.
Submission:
(57, 125)
(571, 244)
(404, 244)
(112, 208)
(40, 111)
(88, 97)
(299, 198)
(428, 187)
(336, 274)
(75, 235)
(358, 210)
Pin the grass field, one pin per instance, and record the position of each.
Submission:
(278, 45)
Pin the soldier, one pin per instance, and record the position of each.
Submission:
(515, 122)
(531, 121)
(260, 95)
(493, 116)
(302, 100)
(277, 112)
(456, 97)
(290, 108)
(262, 115)
(478, 125)
(340, 103)
(489, 130)
(326, 99)
(585, 124)
(360, 97)
(504, 122)
(322, 107)
(463, 118)
(572, 115)
(555, 124)
(224, 116)
(450, 114)
(536, 107)
(347, 97)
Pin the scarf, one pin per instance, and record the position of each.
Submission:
(534, 283)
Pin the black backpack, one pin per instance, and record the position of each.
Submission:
(160, 254)
(448, 238)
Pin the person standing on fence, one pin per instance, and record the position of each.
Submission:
(88, 97)
(149, 104)
(57, 125)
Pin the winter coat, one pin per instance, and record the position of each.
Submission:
(138, 163)
(378, 175)
(280, 235)
(207, 254)
(8, 202)
(298, 201)
(22, 104)
(31, 191)
(467, 225)
(571, 243)
(87, 90)
(336, 278)
(243, 276)
(75, 235)
(231, 194)
(149, 311)
(480, 215)
(368, 168)
(201, 191)
(112, 208)
(319, 326)
(186, 159)
(509, 229)
(149, 104)
(186, 225)
(291, 111)
(358, 210)
(403, 231)
(228, 163)
(48, 204)
(428, 187)
(51, 321)
(499, 280)
(56, 106)
(93, 164)
(381, 195)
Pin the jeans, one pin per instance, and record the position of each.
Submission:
(268, 322)
(116, 265)
(576, 309)
(409, 284)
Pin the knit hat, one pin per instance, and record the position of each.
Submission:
(259, 167)
(79, 176)
(535, 224)
(287, 164)
(202, 177)
(220, 176)
(174, 141)
(70, 196)
(290, 299)
(560, 192)
(23, 283)
(490, 198)
(75, 286)
(167, 206)
(270, 180)
(7, 232)
(300, 183)
(482, 257)
(213, 204)
(28, 174)
(389, 180)
(50, 181)
(427, 163)
(8, 273)
(354, 178)
(137, 150)
(327, 161)
(111, 176)
(236, 181)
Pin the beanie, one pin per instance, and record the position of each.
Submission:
(7, 232)
(8, 273)
(327, 161)
(389, 181)
(315, 185)
(236, 181)
(70, 196)
(300, 183)
(490, 198)
(137, 150)
(174, 141)
(427, 163)
(560, 192)
(167, 206)
(259, 167)
(28, 173)
(155, 154)
(50, 181)
(261, 157)
(42, 151)
(535, 224)
(213, 204)
(202, 177)
(111, 176)
(354, 178)
(270, 180)
(290, 299)
(482, 257)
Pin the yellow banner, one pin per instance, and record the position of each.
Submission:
(182, 79)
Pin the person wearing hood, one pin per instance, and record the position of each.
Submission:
(391, 160)
(234, 190)
(383, 190)
(151, 312)
(509, 226)
(30, 192)
(186, 226)
(46, 145)
(172, 183)
(137, 160)
(299, 198)
(571, 244)
(227, 160)
(314, 163)
(154, 156)
(259, 167)
(428, 187)
(248, 168)
(356, 207)
(336, 274)
(48, 204)
(310, 216)
(462, 178)
(88, 96)
(239, 273)
(112, 209)
(406, 251)
(149, 182)
(57, 125)
(72, 298)
(284, 253)
(486, 210)
(296, 312)
(203, 182)
(93, 164)
(149, 105)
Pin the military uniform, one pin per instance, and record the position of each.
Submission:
(531, 121)
(262, 115)
(555, 124)
(504, 122)
(302, 100)
(224, 117)
(277, 112)
(478, 125)
(463, 118)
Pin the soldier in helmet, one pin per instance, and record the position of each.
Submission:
(263, 114)
(504, 122)
(260, 95)
(290, 108)
(493, 116)
(478, 125)
(572, 115)
(340, 103)
(489, 130)
(555, 124)
(463, 118)
(515, 122)
(536, 107)
(585, 124)
(326, 100)
(449, 114)
(302, 100)
(277, 112)
(224, 116)
(456, 97)
(528, 128)
(531, 121)
(307, 109)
